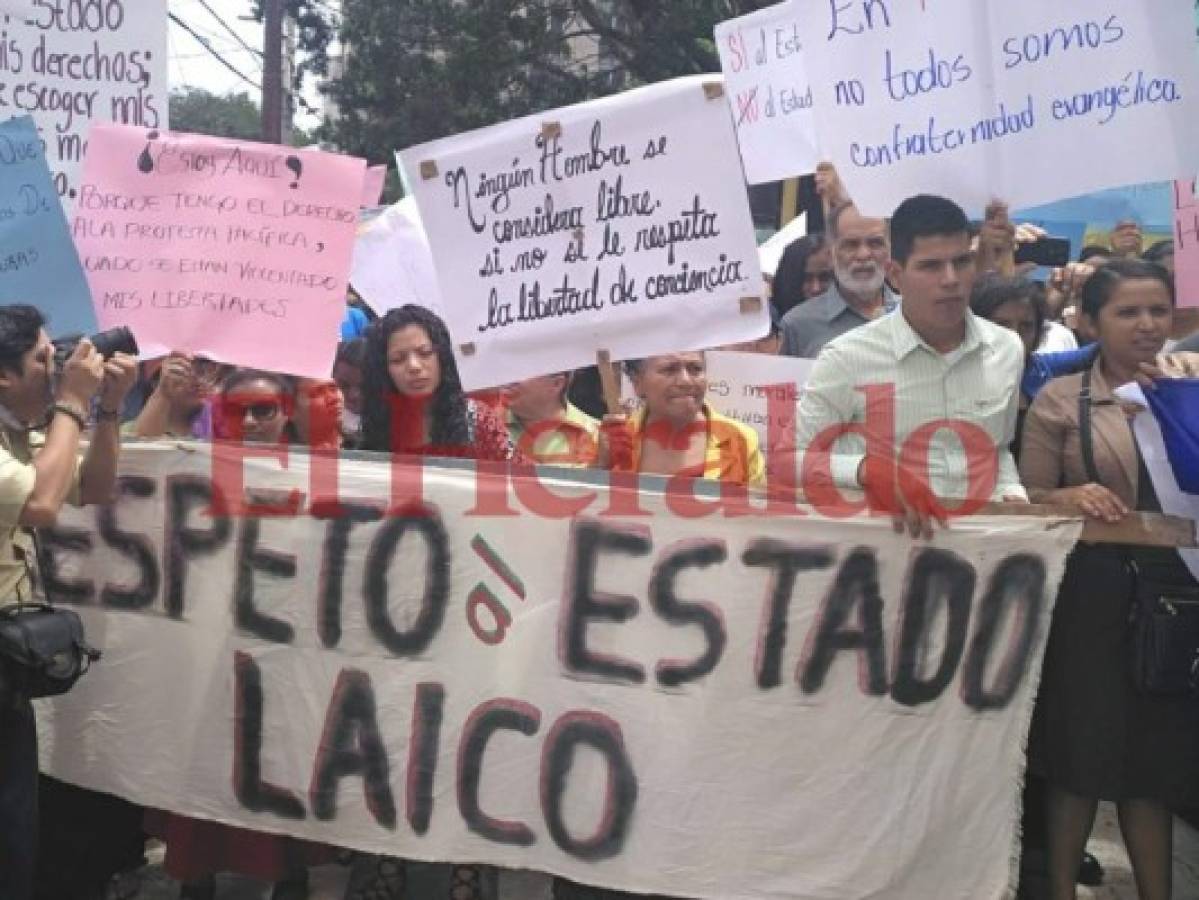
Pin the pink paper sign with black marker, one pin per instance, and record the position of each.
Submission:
(232, 250)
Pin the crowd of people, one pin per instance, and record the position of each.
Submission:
(925, 303)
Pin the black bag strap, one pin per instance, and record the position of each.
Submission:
(1086, 438)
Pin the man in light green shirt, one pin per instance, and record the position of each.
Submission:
(547, 428)
(42, 418)
(917, 408)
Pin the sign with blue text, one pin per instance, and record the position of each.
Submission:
(1020, 100)
(771, 99)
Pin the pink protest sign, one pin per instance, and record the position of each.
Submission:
(372, 186)
(233, 250)
(1186, 243)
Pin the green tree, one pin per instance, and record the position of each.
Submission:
(416, 70)
(198, 111)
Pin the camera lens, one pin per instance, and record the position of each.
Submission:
(115, 340)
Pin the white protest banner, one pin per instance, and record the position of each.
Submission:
(233, 250)
(768, 88)
(1022, 100)
(69, 63)
(758, 390)
(392, 262)
(620, 224)
(770, 251)
(625, 689)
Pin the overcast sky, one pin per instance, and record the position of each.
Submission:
(192, 65)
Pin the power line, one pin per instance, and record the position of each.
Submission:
(229, 28)
(206, 43)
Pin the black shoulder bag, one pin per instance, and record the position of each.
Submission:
(43, 651)
(1164, 617)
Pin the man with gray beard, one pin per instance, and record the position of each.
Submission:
(859, 294)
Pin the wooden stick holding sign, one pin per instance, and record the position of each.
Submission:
(609, 382)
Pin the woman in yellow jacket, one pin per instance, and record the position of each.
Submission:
(676, 432)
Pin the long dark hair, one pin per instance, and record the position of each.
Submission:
(448, 425)
(788, 285)
(993, 291)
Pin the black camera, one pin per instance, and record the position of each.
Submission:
(114, 340)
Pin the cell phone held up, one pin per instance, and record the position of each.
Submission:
(1050, 252)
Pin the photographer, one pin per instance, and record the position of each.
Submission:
(42, 419)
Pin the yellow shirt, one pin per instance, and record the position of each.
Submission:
(733, 452)
(570, 440)
(17, 478)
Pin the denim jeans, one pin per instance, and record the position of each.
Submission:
(18, 799)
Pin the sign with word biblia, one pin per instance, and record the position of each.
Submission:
(620, 224)
(69, 63)
(769, 93)
(629, 689)
(219, 247)
(1023, 100)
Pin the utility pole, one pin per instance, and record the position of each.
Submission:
(272, 72)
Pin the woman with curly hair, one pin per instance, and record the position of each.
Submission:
(413, 402)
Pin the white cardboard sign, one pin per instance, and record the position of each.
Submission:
(769, 93)
(68, 63)
(620, 224)
(392, 262)
(1022, 100)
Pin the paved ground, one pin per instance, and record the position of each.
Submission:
(329, 882)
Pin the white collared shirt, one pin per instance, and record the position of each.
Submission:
(978, 383)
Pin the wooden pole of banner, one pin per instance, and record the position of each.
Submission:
(1142, 529)
(609, 382)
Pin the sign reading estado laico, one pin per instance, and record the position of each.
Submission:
(620, 224)
(651, 691)
(1022, 100)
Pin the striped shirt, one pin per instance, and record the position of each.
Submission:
(978, 384)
